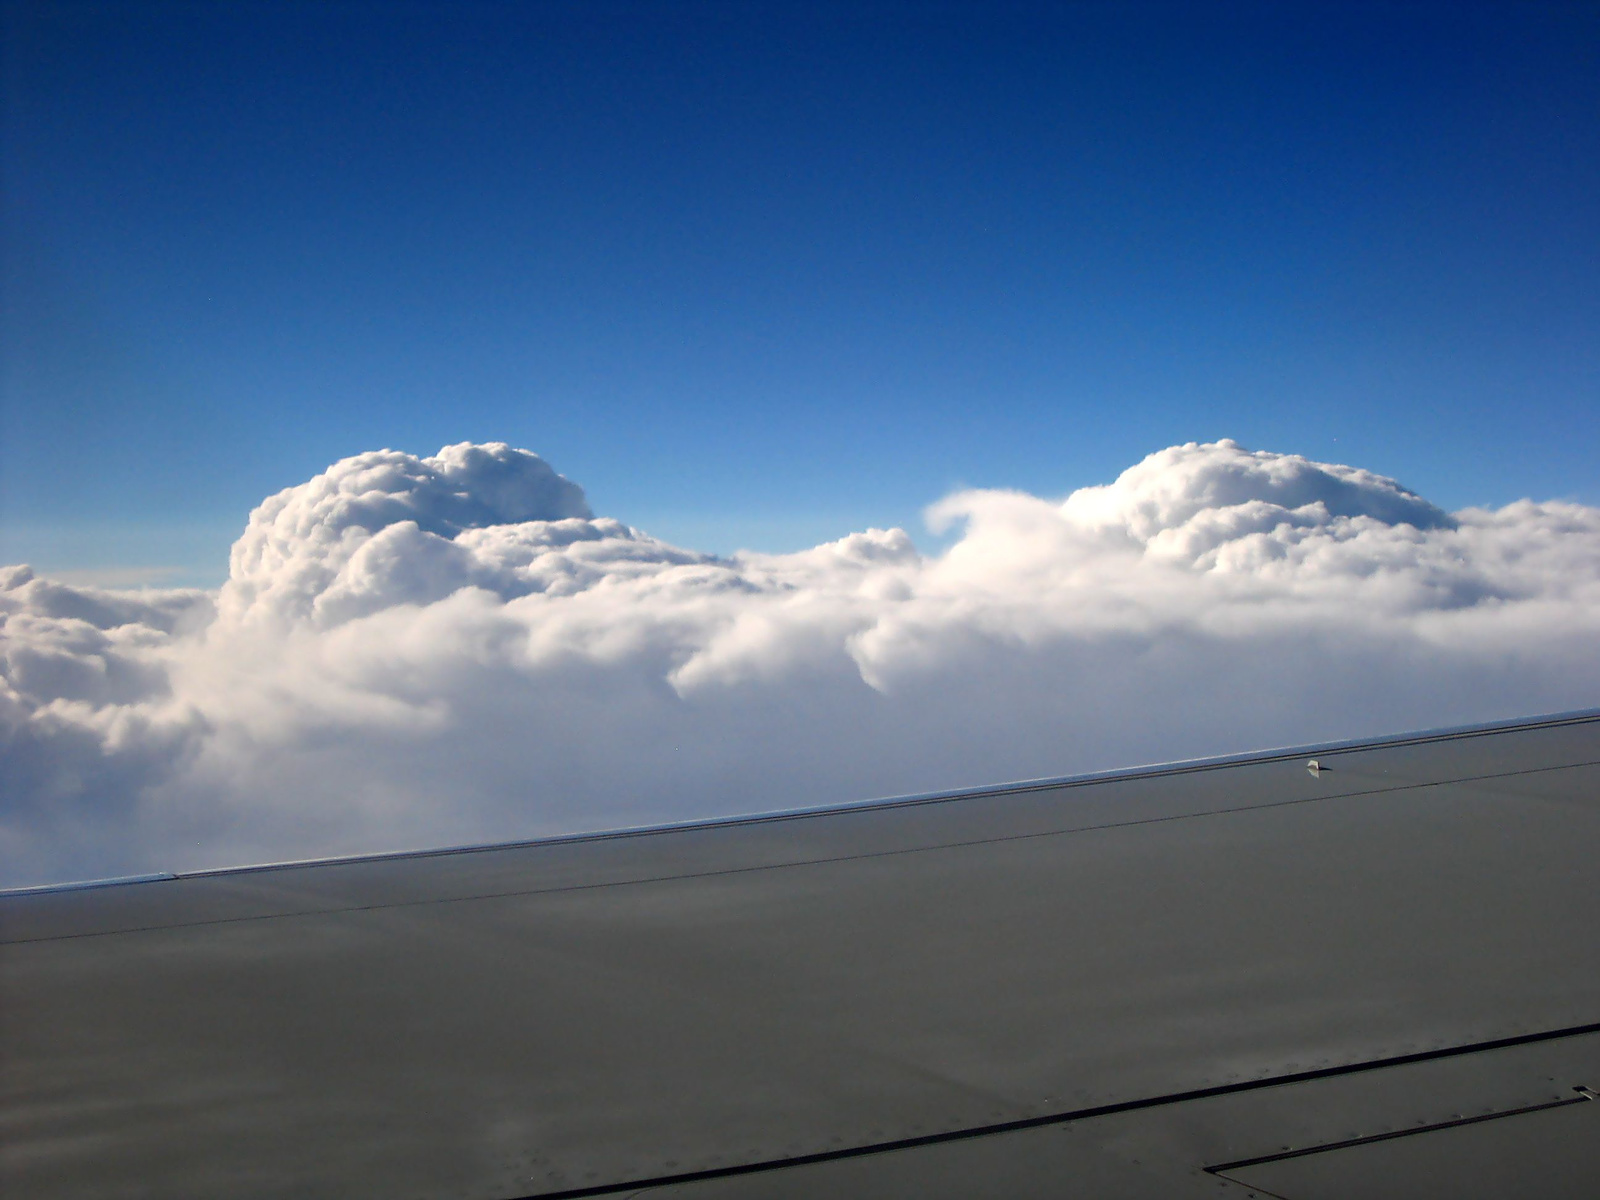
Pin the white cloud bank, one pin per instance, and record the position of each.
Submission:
(414, 651)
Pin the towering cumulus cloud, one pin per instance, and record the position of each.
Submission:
(414, 651)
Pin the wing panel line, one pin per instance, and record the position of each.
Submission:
(1106, 1110)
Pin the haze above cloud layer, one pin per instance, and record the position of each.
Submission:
(421, 651)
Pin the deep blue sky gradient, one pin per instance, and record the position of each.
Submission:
(761, 274)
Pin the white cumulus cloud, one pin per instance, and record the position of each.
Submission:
(414, 651)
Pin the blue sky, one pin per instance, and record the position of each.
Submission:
(759, 275)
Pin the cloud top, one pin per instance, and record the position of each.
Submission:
(390, 516)
(1229, 487)
(414, 651)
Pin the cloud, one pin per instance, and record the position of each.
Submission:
(382, 528)
(88, 720)
(415, 651)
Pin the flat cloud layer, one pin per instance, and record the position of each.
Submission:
(420, 651)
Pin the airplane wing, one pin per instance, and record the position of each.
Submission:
(1358, 970)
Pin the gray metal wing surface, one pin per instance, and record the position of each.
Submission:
(1378, 976)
